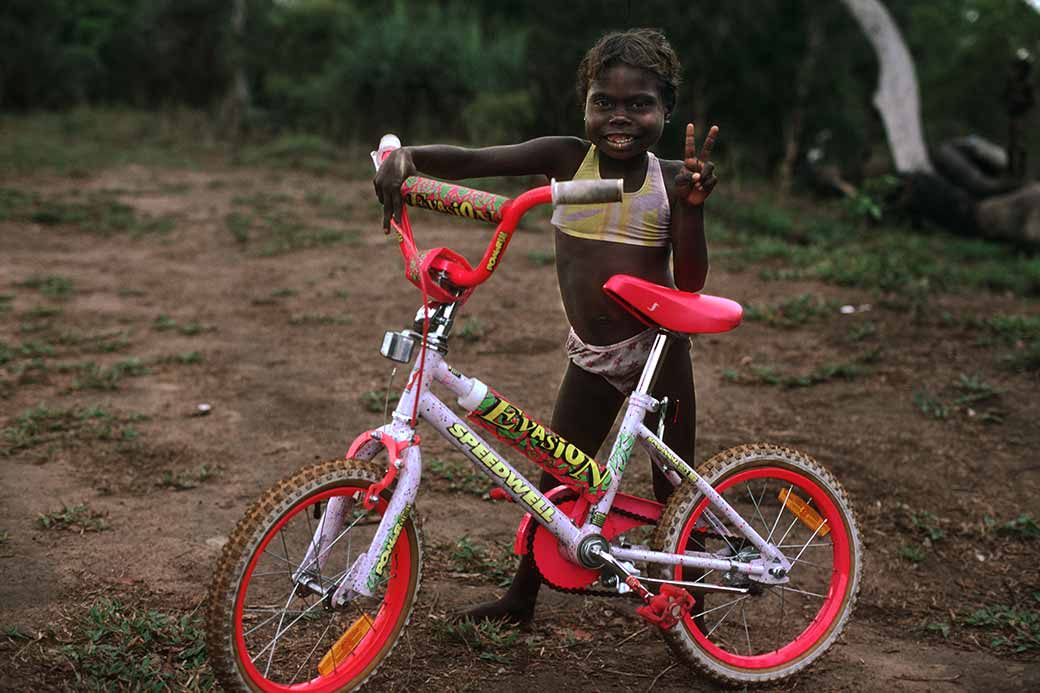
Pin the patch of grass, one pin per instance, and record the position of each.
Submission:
(188, 480)
(766, 375)
(119, 647)
(792, 312)
(1012, 628)
(461, 476)
(376, 401)
(76, 141)
(541, 258)
(929, 405)
(165, 323)
(189, 358)
(42, 424)
(889, 257)
(78, 518)
(491, 640)
(97, 212)
(5, 302)
(239, 225)
(320, 319)
(52, 285)
(1022, 527)
(973, 391)
(489, 562)
(41, 313)
(94, 377)
(301, 152)
(472, 330)
(106, 343)
(913, 553)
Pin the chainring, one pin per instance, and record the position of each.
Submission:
(560, 573)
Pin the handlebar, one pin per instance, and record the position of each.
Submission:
(458, 200)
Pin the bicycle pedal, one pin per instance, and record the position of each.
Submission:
(665, 609)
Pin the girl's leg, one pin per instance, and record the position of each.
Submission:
(586, 407)
(675, 381)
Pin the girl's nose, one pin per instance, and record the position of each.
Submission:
(619, 117)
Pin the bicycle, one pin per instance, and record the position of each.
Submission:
(756, 556)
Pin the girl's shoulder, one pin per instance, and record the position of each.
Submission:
(569, 153)
(670, 168)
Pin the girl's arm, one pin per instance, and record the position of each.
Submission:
(694, 181)
(554, 157)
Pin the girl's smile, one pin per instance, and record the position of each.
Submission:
(624, 115)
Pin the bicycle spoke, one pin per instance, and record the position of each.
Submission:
(732, 605)
(747, 633)
(311, 653)
(283, 631)
(777, 521)
(758, 510)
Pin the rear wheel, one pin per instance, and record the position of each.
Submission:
(768, 632)
(271, 622)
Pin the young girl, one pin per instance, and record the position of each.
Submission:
(627, 83)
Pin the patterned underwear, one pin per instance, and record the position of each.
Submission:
(619, 364)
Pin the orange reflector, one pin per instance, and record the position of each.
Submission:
(809, 517)
(345, 645)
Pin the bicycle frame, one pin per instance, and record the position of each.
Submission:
(400, 439)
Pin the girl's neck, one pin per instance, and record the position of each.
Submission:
(633, 170)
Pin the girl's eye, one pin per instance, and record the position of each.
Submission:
(601, 103)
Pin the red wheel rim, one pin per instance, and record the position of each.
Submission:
(825, 618)
(386, 620)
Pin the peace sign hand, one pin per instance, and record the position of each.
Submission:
(697, 178)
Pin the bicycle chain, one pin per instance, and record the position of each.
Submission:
(584, 590)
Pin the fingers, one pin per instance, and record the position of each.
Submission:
(709, 142)
(690, 142)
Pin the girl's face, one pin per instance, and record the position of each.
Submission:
(624, 114)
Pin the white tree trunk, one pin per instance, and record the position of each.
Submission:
(896, 97)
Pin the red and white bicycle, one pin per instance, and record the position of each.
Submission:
(751, 574)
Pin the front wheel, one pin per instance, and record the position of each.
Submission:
(271, 622)
(764, 633)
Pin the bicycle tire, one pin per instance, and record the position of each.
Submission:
(242, 587)
(822, 590)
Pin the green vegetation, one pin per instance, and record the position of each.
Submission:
(188, 480)
(52, 285)
(493, 562)
(792, 312)
(376, 401)
(460, 475)
(78, 518)
(96, 212)
(492, 640)
(120, 647)
(42, 424)
(855, 368)
(822, 246)
(472, 330)
(1012, 628)
(94, 377)
(264, 225)
(165, 323)
(973, 392)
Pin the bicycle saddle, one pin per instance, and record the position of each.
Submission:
(678, 311)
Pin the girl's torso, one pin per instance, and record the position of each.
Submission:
(584, 263)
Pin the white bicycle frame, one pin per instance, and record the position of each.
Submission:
(365, 575)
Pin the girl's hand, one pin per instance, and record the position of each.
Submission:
(389, 178)
(697, 178)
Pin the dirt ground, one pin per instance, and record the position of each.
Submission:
(235, 304)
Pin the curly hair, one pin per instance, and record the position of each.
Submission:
(643, 48)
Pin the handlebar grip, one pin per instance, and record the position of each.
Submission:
(387, 143)
(586, 192)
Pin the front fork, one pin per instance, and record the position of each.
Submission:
(371, 568)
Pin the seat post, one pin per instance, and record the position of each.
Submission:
(649, 375)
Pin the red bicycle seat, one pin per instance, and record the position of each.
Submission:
(678, 311)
